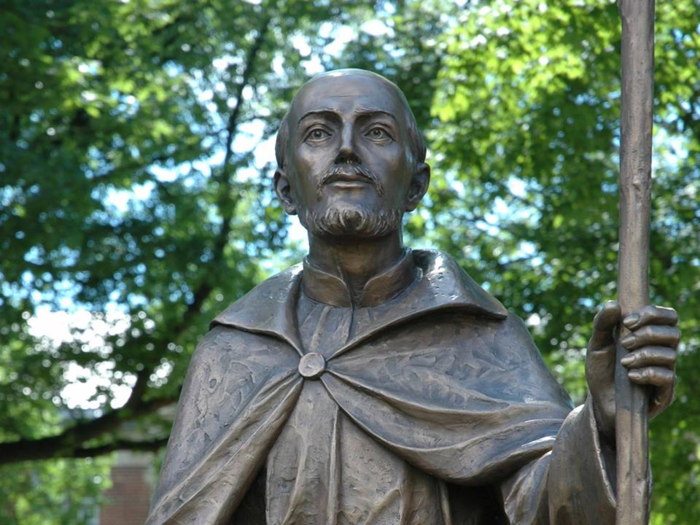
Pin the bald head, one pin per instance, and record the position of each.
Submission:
(344, 83)
(350, 156)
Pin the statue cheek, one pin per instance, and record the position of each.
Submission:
(304, 181)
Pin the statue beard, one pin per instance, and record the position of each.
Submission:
(351, 222)
(356, 221)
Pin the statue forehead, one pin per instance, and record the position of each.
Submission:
(346, 90)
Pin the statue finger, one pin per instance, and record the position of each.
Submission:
(652, 375)
(663, 397)
(652, 336)
(604, 325)
(651, 356)
(600, 365)
(651, 315)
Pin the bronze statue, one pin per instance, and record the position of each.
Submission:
(375, 385)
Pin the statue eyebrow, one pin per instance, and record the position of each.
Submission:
(371, 111)
(323, 111)
(358, 112)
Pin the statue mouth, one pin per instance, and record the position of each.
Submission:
(350, 176)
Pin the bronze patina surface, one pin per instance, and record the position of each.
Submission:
(379, 385)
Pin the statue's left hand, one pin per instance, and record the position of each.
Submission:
(652, 342)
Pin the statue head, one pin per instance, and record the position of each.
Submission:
(350, 158)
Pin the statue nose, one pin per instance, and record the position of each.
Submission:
(346, 152)
(347, 157)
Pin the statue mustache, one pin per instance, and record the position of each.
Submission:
(358, 170)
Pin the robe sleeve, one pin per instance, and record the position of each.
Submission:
(239, 391)
(569, 485)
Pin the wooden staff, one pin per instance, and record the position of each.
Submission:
(633, 473)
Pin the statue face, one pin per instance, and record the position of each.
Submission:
(349, 166)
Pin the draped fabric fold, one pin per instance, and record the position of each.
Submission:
(303, 470)
(235, 401)
(464, 409)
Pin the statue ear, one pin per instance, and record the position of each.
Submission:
(284, 192)
(419, 186)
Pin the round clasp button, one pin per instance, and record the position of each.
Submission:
(312, 365)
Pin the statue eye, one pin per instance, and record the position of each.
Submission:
(378, 134)
(318, 134)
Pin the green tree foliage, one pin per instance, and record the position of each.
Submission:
(130, 189)
(63, 491)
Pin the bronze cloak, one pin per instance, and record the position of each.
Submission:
(445, 378)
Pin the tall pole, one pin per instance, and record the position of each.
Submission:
(633, 473)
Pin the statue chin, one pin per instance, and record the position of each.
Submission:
(351, 222)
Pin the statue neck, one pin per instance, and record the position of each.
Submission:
(355, 261)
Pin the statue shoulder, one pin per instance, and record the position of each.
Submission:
(443, 275)
(266, 301)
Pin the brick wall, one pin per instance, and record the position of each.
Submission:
(127, 502)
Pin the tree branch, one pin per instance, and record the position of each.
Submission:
(70, 442)
(134, 446)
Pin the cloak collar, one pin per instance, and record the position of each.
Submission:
(269, 308)
(326, 288)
